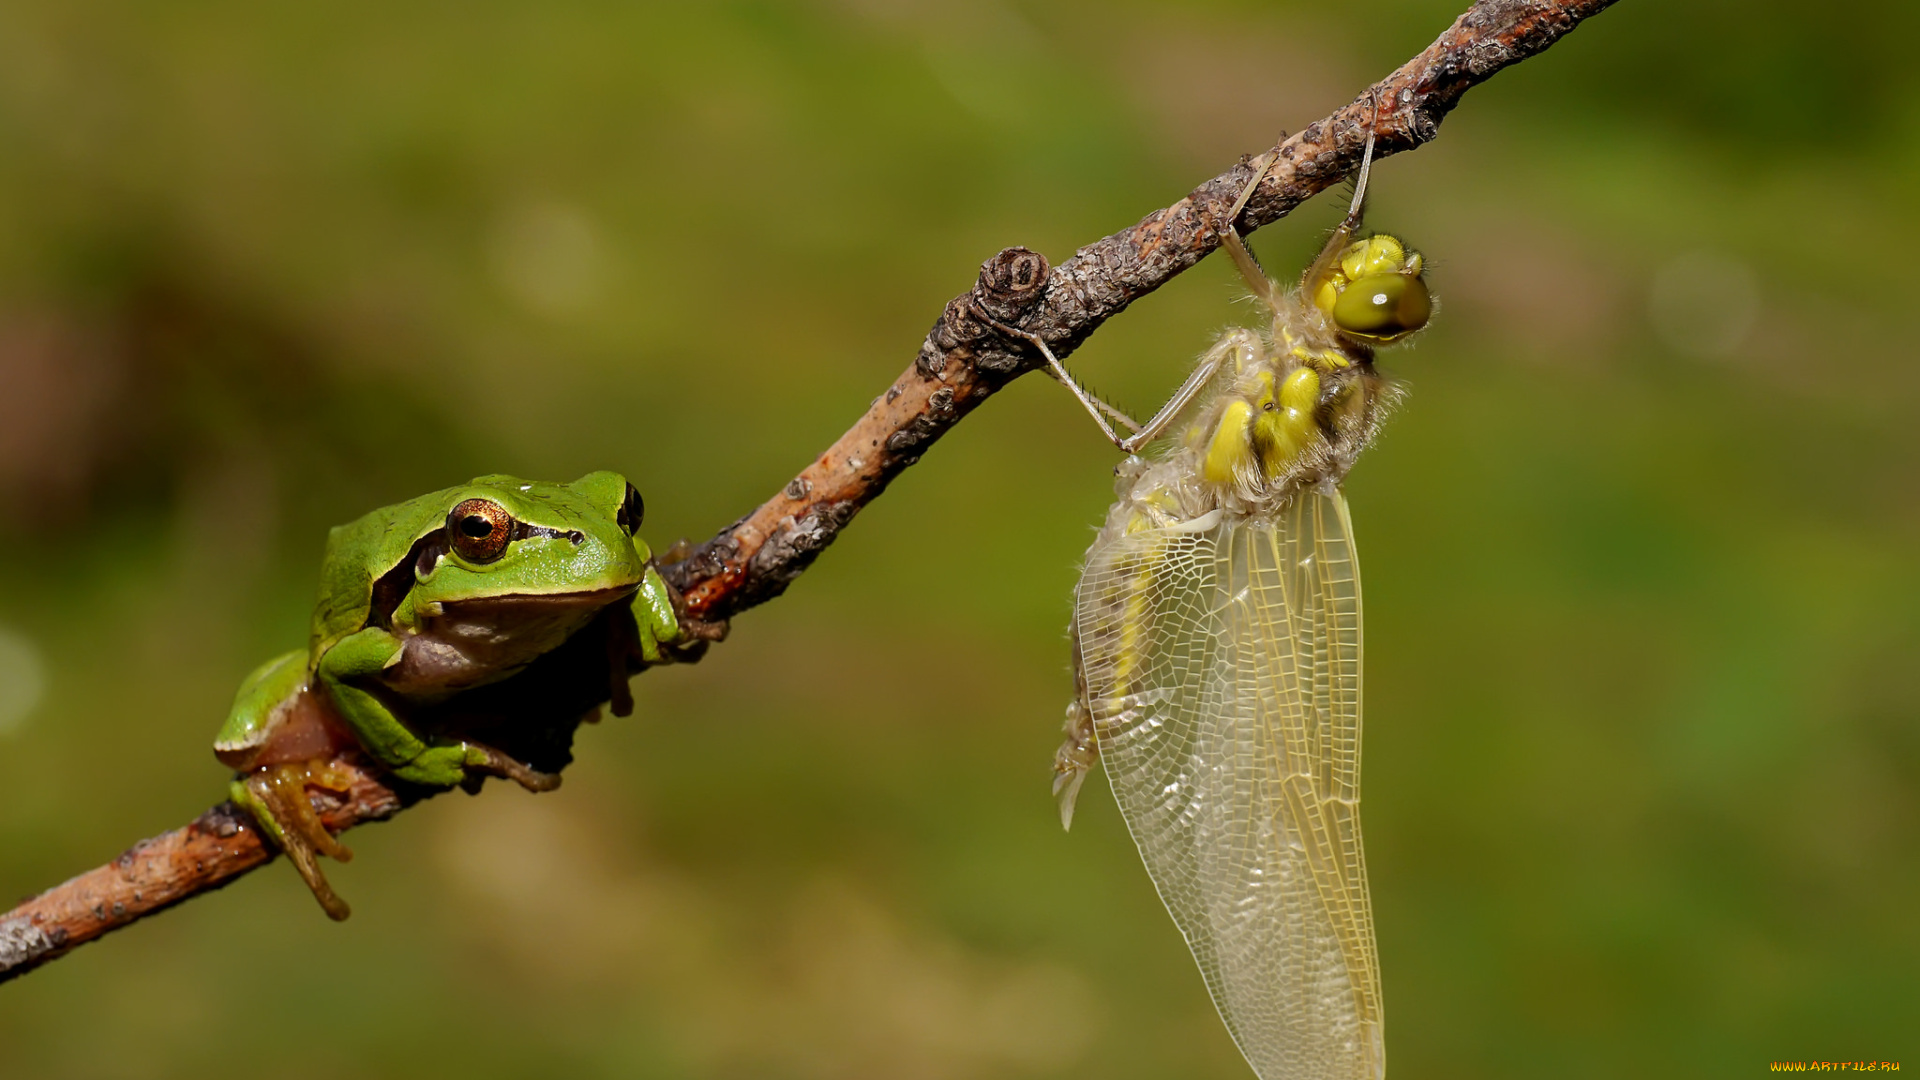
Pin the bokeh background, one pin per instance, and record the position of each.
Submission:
(1643, 759)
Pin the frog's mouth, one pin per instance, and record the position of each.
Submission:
(529, 604)
(465, 643)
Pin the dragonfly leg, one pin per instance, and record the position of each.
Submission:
(1249, 267)
(1142, 434)
(1096, 408)
(1356, 210)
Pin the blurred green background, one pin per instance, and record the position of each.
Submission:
(1643, 762)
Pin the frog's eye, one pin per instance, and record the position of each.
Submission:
(1383, 307)
(479, 530)
(633, 510)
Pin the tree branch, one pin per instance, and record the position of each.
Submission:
(962, 362)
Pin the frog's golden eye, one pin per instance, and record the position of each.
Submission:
(1383, 307)
(479, 530)
(633, 510)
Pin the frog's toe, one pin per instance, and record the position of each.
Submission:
(488, 760)
(276, 796)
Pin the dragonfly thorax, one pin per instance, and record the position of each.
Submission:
(1292, 408)
(1286, 411)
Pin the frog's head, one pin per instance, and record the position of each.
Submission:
(504, 536)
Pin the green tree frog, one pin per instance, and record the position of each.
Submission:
(422, 605)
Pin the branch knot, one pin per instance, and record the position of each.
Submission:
(1012, 282)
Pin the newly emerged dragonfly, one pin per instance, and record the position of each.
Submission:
(1217, 653)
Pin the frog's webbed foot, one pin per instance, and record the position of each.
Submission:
(276, 796)
(1073, 760)
(695, 636)
(678, 636)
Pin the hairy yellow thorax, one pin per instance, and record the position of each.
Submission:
(1304, 395)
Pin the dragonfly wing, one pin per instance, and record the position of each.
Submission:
(1222, 673)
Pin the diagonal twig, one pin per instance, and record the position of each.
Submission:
(962, 362)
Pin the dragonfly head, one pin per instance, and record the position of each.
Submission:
(1374, 292)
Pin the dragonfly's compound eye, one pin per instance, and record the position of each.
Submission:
(1377, 254)
(1383, 307)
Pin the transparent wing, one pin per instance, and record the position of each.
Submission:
(1222, 672)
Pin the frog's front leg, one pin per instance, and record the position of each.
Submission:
(351, 664)
(642, 633)
(653, 614)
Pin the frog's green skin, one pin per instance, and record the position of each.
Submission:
(416, 607)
